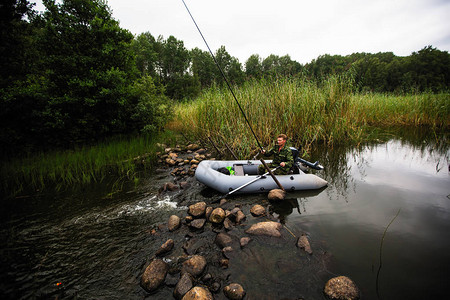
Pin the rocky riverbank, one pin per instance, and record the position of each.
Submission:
(203, 248)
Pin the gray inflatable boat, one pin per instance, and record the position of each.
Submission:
(246, 171)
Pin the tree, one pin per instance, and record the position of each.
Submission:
(230, 66)
(253, 66)
(146, 50)
(203, 67)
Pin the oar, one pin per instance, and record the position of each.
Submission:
(271, 174)
(244, 185)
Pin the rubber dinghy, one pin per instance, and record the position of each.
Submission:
(246, 171)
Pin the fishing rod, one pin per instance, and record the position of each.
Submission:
(224, 77)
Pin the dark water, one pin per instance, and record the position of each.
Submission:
(98, 247)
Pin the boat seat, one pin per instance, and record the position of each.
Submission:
(238, 170)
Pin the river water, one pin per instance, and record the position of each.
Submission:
(383, 221)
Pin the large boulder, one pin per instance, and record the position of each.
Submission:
(303, 243)
(174, 223)
(198, 293)
(197, 210)
(341, 287)
(183, 286)
(258, 210)
(166, 247)
(194, 266)
(154, 275)
(276, 195)
(268, 228)
(234, 291)
(217, 216)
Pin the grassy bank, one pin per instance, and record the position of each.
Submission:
(121, 158)
(329, 113)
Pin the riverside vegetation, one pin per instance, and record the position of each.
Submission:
(329, 113)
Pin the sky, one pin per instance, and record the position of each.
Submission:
(304, 30)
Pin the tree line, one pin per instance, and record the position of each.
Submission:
(72, 75)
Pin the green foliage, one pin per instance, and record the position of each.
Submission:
(329, 112)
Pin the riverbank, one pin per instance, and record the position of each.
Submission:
(120, 159)
(329, 113)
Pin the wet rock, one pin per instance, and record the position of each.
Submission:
(188, 219)
(217, 216)
(201, 151)
(258, 210)
(240, 216)
(194, 266)
(184, 185)
(166, 247)
(268, 228)
(172, 279)
(341, 287)
(173, 155)
(174, 223)
(224, 262)
(170, 186)
(154, 275)
(207, 278)
(183, 286)
(215, 287)
(194, 162)
(303, 243)
(192, 147)
(244, 241)
(227, 251)
(222, 202)
(276, 195)
(234, 291)
(198, 293)
(228, 224)
(170, 162)
(223, 240)
(208, 212)
(197, 223)
(197, 210)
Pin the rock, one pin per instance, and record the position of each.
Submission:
(198, 293)
(201, 151)
(217, 216)
(173, 155)
(154, 275)
(240, 216)
(223, 240)
(234, 291)
(197, 223)
(183, 286)
(207, 278)
(258, 210)
(194, 162)
(222, 202)
(341, 287)
(244, 241)
(192, 147)
(268, 228)
(208, 212)
(166, 247)
(188, 219)
(224, 262)
(228, 224)
(170, 186)
(276, 195)
(184, 185)
(194, 266)
(303, 243)
(215, 287)
(170, 162)
(172, 280)
(174, 223)
(227, 251)
(197, 210)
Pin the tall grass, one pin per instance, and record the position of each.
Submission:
(328, 113)
(122, 158)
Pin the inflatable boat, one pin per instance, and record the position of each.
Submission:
(247, 180)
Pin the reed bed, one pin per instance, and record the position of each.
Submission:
(121, 158)
(308, 112)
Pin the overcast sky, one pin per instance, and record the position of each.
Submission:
(302, 29)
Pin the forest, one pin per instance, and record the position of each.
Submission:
(72, 76)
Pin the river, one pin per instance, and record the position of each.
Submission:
(383, 221)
